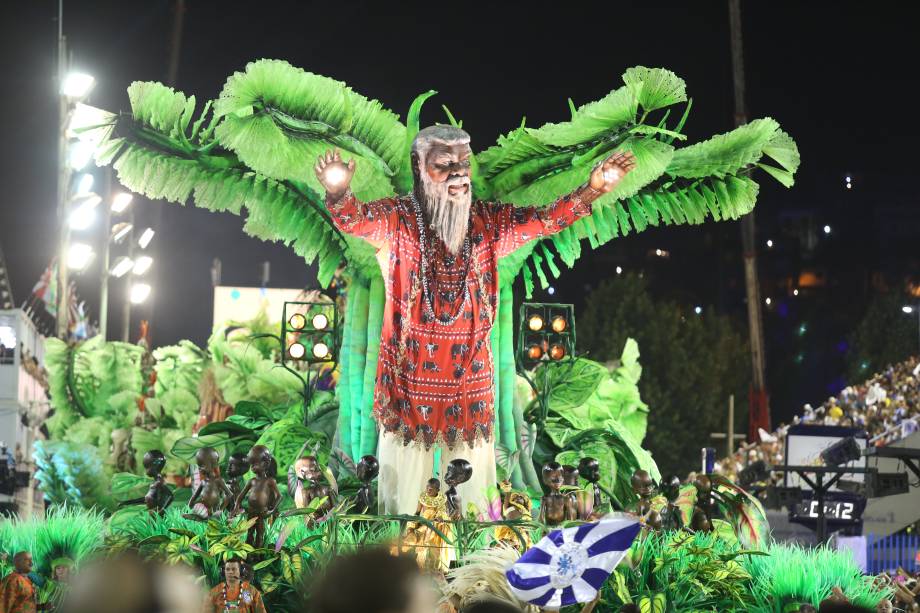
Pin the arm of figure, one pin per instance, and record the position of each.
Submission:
(367, 220)
(125, 503)
(228, 495)
(571, 508)
(169, 497)
(277, 494)
(194, 498)
(521, 225)
(238, 503)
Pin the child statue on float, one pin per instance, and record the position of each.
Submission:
(438, 251)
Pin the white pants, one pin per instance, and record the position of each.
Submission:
(405, 469)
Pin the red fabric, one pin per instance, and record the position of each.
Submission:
(434, 382)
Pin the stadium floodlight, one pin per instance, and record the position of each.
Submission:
(79, 154)
(79, 256)
(77, 85)
(139, 292)
(146, 237)
(85, 184)
(121, 267)
(142, 264)
(120, 231)
(121, 201)
(83, 215)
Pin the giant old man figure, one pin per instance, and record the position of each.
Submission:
(438, 251)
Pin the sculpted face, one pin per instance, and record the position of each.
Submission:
(552, 475)
(237, 466)
(458, 471)
(450, 165)
(570, 475)
(154, 461)
(444, 189)
(368, 468)
(670, 487)
(259, 459)
(207, 459)
(307, 468)
(589, 469)
(642, 484)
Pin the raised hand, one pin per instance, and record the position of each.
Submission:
(334, 174)
(611, 171)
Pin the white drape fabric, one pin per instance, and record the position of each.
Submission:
(404, 470)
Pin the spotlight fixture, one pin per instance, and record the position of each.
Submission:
(321, 351)
(534, 351)
(842, 452)
(309, 331)
(547, 333)
(297, 351)
(556, 351)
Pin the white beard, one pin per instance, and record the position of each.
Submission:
(448, 216)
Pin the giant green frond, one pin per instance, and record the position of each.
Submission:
(159, 152)
(734, 151)
(279, 119)
(655, 88)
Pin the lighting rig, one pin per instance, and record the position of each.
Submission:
(546, 336)
(309, 336)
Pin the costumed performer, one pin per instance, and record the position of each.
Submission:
(431, 552)
(438, 252)
(54, 591)
(17, 593)
(234, 594)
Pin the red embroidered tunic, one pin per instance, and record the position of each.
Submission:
(434, 381)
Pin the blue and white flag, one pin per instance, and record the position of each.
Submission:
(570, 566)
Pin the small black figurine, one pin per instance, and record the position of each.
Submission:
(212, 494)
(159, 496)
(555, 507)
(570, 478)
(458, 471)
(590, 471)
(237, 466)
(367, 469)
(701, 520)
(671, 518)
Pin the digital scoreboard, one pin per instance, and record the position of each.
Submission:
(839, 508)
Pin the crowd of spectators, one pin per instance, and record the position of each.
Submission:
(886, 406)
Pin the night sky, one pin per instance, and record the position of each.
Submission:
(836, 75)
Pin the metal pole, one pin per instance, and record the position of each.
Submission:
(106, 246)
(126, 305)
(731, 426)
(759, 414)
(63, 177)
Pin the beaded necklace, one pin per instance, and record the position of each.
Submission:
(235, 603)
(445, 319)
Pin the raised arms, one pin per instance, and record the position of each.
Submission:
(366, 220)
(520, 225)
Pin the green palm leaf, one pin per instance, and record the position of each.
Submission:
(279, 119)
